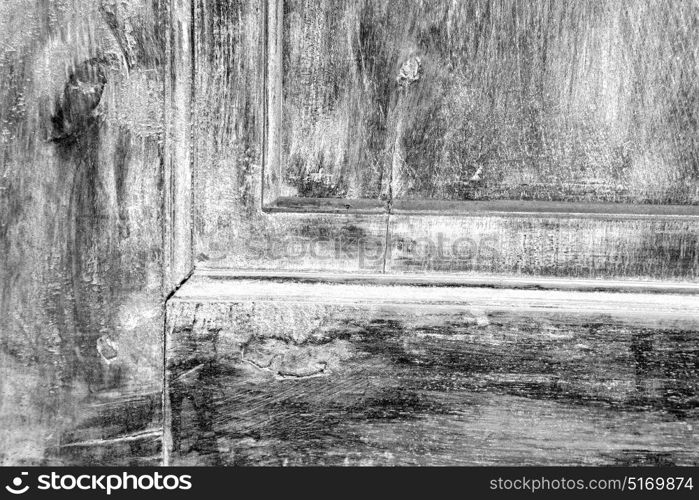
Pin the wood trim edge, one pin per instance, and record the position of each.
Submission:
(177, 154)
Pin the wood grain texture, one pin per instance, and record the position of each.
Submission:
(506, 100)
(132, 145)
(459, 279)
(318, 374)
(81, 131)
(233, 164)
(520, 208)
(231, 230)
(320, 242)
(177, 117)
(597, 246)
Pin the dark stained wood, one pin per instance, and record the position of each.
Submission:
(327, 205)
(319, 374)
(81, 155)
(591, 102)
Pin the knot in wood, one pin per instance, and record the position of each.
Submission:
(409, 72)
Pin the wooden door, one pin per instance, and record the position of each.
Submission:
(433, 233)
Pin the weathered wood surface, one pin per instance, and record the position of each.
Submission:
(282, 373)
(532, 245)
(231, 231)
(178, 69)
(317, 242)
(521, 208)
(230, 228)
(592, 101)
(95, 202)
(81, 138)
(459, 279)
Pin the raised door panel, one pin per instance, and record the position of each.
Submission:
(397, 99)
(309, 152)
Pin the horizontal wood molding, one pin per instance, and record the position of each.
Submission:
(326, 205)
(501, 208)
(542, 208)
(532, 245)
(573, 247)
(632, 306)
(449, 280)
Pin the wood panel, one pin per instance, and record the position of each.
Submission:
(547, 244)
(484, 100)
(231, 230)
(320, 242)
(81, 134)
(235, 173)
(283, 373)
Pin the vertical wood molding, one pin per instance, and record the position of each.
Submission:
(177, 170)
(177, 245)
(274, 30)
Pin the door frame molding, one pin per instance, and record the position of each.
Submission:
(404, 223)
(177, 153)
